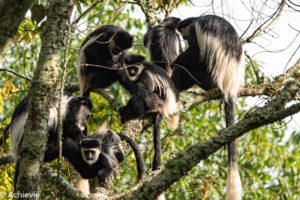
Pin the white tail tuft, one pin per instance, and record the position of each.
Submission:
(226, 70)
(233, 184)
(170, 110)
(83, 185)
(161, 197)
(173, 121)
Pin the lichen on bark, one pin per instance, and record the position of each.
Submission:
(44, 83)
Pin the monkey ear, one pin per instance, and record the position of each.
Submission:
(130, 59)
(86, 101)
(111, 137)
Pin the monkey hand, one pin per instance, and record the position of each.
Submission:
(103, 174)
(103, 183)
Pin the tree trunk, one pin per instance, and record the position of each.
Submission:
(12, 14)
(44, 83)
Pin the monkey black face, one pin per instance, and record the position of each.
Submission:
(121, 41)
(135, 66)
(114, 49)
(90, 150)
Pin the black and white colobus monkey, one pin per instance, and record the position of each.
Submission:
(103, 47)
(214, 59)
(153, 95)
(95, 156)
(75, 113)
(163, 43)
(103, 153)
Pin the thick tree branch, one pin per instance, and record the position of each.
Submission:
(44, 84)
(149, 9)
(12, 14)
(65, 188)
(183, 162)
(174, 169)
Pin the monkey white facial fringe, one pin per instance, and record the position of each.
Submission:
(138, 73)
(227, 71)
(233, 184)
(16, 129)
(81, 60)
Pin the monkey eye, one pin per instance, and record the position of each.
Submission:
(116, 50)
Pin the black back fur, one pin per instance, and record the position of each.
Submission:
(71, 106)
(193, 62)
(97, 53)
(110, 157)
(163, 43)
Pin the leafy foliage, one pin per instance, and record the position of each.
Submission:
(269, 157)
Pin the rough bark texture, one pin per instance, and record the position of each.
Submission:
(66, 189)
(12, 14)
(41, 93)
(149, 9)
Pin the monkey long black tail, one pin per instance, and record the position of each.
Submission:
(233, 185)
(138, 156)
(156, 141)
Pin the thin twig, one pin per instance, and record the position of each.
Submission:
(60, 123)
(85, 12)
(15, 73)
(259, 81)
(260, 29)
